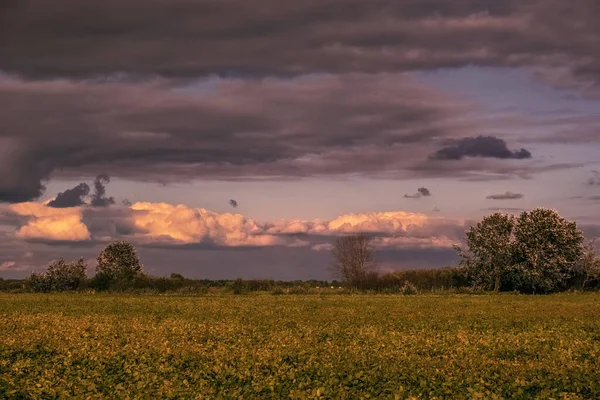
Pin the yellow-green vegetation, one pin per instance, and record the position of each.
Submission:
(329, 346)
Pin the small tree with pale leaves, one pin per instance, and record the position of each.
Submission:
(547, 249)
(119, 262)
(489, 254)
(353, 259)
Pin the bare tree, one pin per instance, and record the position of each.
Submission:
(353, 258)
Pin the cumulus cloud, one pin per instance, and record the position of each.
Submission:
(179, 223)
(166, 224)
(71, 197)
(480, 146)
(505, 196)
(47, 223)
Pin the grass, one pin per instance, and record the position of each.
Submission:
(264, 346)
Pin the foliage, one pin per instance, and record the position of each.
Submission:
(59, 277)
(547, 248)
(409, 288)
(490, 245)
(353, 259)
(11, 285)
(588, 266)
(258, 347)
(534, 253)
(118, 264)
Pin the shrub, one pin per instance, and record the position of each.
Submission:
(238, 286)
(408, 288)
(59, 277)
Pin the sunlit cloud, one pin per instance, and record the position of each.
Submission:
(47, 223)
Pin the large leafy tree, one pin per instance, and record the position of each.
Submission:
(489, 254)
(547, 249)
(119, 262)
(537, 252)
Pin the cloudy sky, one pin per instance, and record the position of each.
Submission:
(235, 138)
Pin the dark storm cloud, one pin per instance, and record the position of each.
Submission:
(505, 196)
(183, 38)
(480, 146)
(22, 165)
(99, 198)
(71, 197)
(424, 191)
(421, 192)
(320, 125)
(115, 86)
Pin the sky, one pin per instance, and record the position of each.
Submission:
(239, 138)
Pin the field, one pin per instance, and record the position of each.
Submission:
(329, 346)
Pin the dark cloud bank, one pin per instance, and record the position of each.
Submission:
(183, 38)
(183, 89)
(312, 126)
(480, 146)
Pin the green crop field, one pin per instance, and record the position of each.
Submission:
(319, 346)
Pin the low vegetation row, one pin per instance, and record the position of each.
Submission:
(535, 252)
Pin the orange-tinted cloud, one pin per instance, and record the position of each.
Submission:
(49, 223)
(163, 223)
(194, 225)
(183, 224)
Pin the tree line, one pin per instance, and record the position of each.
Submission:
(537, 251)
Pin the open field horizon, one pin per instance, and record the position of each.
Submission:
(329, 346)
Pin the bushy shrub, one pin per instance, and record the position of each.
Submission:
(408, 288)
(59, 277)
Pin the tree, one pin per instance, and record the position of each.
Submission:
(59, 277)
(353, 259)
(490, 251)
(118, 263)
(536, 252)
(547, 249)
